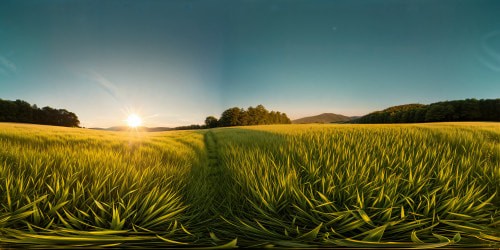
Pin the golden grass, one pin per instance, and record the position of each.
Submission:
(406, 185)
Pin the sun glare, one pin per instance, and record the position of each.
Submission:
(134, 120)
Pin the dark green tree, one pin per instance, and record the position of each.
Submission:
(459, 110)
(230, 117)
(252, 116)
(211, 122)
(439, 112)
(23, 112)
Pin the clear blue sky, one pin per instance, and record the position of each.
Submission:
(176, 62)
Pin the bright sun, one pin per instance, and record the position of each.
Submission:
(134, 120)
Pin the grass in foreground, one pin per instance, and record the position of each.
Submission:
(285, 185)
(75, 186)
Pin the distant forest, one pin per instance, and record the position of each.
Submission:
(252, 116)
(447, 111)
(23, 112)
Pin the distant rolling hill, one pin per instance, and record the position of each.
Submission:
(323, 118)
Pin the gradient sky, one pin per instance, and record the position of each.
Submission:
(176, 62)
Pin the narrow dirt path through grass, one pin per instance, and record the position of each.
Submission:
(215, 176)
(207, 188)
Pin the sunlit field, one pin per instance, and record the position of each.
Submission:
(417, 185)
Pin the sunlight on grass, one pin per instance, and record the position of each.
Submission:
(420, 185)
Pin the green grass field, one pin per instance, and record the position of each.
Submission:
(417, 185)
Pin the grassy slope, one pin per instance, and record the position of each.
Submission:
(322, 118)
(288, 185)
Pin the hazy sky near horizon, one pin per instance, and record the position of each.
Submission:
(176, 62)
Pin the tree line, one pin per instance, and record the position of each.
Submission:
(23, 112)
(447, 111)
(252, 116)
